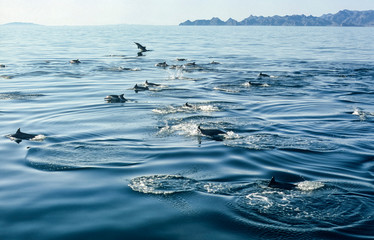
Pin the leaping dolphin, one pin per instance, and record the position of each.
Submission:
(190, 106)
(141, 47)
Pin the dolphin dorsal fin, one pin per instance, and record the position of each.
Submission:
(18, 130)
(272, 182)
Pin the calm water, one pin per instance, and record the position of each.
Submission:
(142, 170)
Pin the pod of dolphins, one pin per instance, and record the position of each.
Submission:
(215, 134)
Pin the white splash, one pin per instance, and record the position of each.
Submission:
(186, 129)
(309, 185)
(232, 135)
(38, 138)
(207, 108)
(184, 108)
(358, 112)
(177, 74)
(189, 129)
(259, 199)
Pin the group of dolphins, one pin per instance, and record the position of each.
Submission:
(212, 133)
(215, 134)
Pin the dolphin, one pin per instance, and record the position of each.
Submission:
(190, 64)
(75, 61)
(19, 136)
(140, 88)
(115, 98)
(151, 84)
(175, 66)
(263, 75)
(162, 64)
(141, 47)
(213, 133)
(189, 106)
(281, 185)
(2, 66)
(254, 84)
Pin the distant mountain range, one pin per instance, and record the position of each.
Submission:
(342, 18)
(21, 24)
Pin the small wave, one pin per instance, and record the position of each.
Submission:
(7, 76)
(118, 69)
(265, 141)
(162, 184)
(362, 114)
(312, 209)
(19, 96)
(167, 184)
(70, 156)
(228, 90)
(186, 109)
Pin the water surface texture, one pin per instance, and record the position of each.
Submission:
(141, 169)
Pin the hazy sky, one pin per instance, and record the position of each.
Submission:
(161, 12)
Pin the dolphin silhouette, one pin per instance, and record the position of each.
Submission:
(263, 75)
(19, 136)
(215, 134)
(281, 185)
(190, 106)
(75, 61)
(24, 136)
(151, 84)
(141, 47)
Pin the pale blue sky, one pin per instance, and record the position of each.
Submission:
(161, 12)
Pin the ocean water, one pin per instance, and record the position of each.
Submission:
(141, 169)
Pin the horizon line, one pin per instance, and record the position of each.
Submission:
(177, 24)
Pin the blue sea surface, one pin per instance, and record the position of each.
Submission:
(141, 169)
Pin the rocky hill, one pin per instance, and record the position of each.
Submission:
(342, 18)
